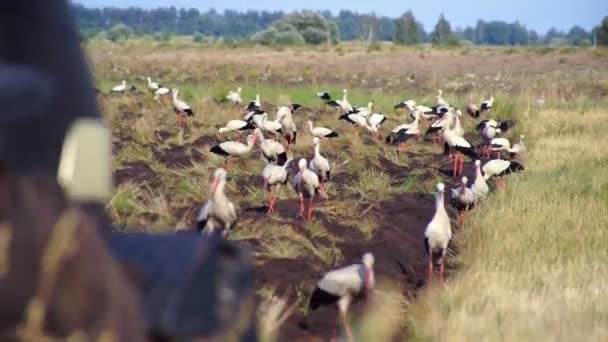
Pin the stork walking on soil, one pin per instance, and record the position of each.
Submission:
(307, 185)
(274, 176)
(438, 233)
(343, 286)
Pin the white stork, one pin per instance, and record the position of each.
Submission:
(319, 164)
(439, 99)
(459, 146)
(401, 136)
(121, 88)
(499, 168)
(438, 233)
(480, 186)
(320, 132)
(271, 150)
(364, 111)
(518, 148)
(376, 120)
(219, 212)
(288, 126)
(344, 105)
(463, 199)
(236, 126)
(181, 108)
(500, 144)
(343, 286)
(235, 96)
(261, 121)
(255, 104)
(231, 149)
(486, 105)
(274, 176)
(153, 86)
(357, 120)
(324, 95)
(307, 185)
(458, 129)
(161, 92)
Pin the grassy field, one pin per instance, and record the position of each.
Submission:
(526, 266)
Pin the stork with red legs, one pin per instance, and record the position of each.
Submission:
(274, 176)
(319, 164)
(307, 185)
(438, 233)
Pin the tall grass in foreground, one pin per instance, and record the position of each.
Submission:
(533, 258)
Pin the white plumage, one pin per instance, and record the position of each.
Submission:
(463, 199)
(342, 286)
(320, 132)
(162, 91)
(235, 96)
(519, 147)
(262, 122)
(500, 144)
(288, 126)
(153, 86)
(306, 183)
(233, 148)
(255, 104)
(376, 119)
(458, 129)
(480, 186)
(235, 125)
(121, 88)
(499, 168)
(319, 164)
(218, 212)
(487, 104)
(181, 107)
(271, 150)
(274, 176)
(344, 105)
(438, 232)
(439, 99)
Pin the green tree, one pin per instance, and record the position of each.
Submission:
(119, 32)
(407, 30)
(305, 27)
(577, 36)
(442, 34)
(601, 34)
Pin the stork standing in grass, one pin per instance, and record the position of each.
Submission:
(232, 149)
(458, 148)
(376, 120)
(218, 215)
(153, 86)
(499, 145)
(324, 95)
(121, 88)
(499, 168)
(272, 151)
(288, 126)
(463, 199)
(438, 233)
(320, 132)
(364, 111)
(439, 101)
(480, 186)
(261, 121)
(412, 107)
(235, 96)
(236, 126)
(436, 128)
(357, 120)
(307, 185)
(274, 176)
(343, 286)
(344, 105)
(486, 105)
(181, 108)
(255, 104)
(518, 148)
(319, 164)
(488, 133)
(402, 136)
(162, 92)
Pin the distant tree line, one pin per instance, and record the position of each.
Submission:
(317, 27)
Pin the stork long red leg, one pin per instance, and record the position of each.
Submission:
(455, 165)
(349, 333)
(310, 205)
(461, 164)
(301, 205)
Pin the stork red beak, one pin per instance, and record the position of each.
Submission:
(214, 184)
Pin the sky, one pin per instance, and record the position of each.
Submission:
(539, 15)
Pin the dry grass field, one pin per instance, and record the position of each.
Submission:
(529, 264)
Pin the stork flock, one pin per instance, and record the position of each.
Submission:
(276, 137)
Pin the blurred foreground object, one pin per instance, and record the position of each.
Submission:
(63, 273)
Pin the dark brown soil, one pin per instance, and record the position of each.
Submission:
(136, 172)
